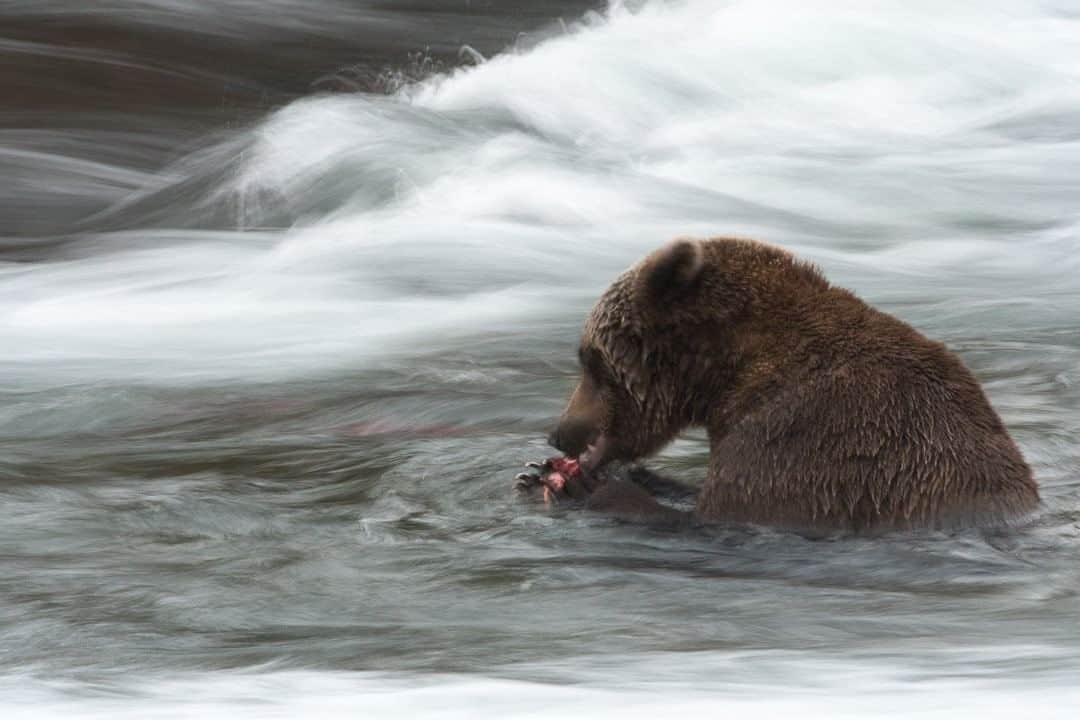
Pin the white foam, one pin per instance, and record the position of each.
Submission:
(748, 684)
(885, 139)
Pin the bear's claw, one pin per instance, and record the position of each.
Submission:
(557, 476)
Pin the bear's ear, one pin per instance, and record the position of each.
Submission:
(671, 271)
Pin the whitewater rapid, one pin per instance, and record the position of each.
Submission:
(898, 152)
(262, 402)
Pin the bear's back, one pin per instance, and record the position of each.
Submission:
(867, 425)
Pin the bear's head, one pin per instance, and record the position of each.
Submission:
(671, 337)
(649, 355)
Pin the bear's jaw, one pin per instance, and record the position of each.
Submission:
(593, 455)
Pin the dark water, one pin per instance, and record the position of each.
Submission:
(288, 291)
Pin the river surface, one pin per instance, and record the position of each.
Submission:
(290, 289)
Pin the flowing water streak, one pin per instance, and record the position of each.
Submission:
(261, 414)
(489, 194)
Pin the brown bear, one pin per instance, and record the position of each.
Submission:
(823, 413)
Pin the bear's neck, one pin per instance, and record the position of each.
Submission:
(782, 335)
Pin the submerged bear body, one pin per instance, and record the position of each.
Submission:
(822, 411)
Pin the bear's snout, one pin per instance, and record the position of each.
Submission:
(572, 436)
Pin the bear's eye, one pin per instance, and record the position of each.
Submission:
(592, 362)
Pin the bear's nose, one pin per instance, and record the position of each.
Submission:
(571, 436)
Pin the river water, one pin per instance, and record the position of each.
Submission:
(289, 290)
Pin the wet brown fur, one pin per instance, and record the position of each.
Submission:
(822, 412)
